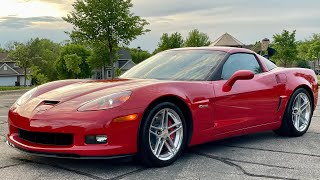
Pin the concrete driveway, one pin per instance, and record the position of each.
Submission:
(256, 156)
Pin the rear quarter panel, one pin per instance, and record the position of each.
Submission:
(299, 77)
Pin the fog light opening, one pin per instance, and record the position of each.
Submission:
(97, 139)
(101, 138)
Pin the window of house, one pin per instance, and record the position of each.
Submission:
(5, 68)
(240, 61)
(109, 73)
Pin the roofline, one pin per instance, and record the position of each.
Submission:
(219, 38)
(9, 67)
(216, 48)
(127, 63)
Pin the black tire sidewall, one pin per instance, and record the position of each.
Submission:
(288, 115)
(145, 153)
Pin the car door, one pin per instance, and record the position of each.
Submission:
(249, 103)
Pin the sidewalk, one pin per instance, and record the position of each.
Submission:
(22, 91)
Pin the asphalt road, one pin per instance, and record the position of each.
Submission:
(256, 156)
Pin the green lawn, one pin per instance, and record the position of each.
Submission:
(10, 88)
(318, 78)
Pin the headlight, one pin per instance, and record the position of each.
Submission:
(106, 102)
(24, 98)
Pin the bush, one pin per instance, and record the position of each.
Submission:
(303, 64)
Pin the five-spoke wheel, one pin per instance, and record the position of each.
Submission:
(163, 135)
(301, 112)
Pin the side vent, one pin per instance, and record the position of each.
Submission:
(281, 98)
(279, 104)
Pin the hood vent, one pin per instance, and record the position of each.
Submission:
(47, 102)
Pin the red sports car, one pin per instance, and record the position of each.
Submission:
(177, 98)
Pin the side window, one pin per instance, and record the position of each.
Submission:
(240, 61)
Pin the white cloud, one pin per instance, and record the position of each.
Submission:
(247, 20)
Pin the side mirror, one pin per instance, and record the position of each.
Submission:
(238, 75)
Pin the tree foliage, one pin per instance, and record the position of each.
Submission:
(286, 47)
(110, 22)
(197, 39)
(99, 56)
(309, 49)
(167, 41)
(139, 56)
(72, 62)
(22, 55)
(44, 53)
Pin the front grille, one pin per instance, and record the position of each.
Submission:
(46, 138)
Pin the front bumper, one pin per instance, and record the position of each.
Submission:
(122, 136)
(69, 156)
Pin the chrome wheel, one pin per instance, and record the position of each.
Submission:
(166, 134)
(301, 112)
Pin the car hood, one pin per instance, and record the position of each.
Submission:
(89, 90)
(70, 97)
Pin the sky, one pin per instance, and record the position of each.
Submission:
(247, 20)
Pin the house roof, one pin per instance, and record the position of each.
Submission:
(124, 54)
(122, 62)
(227, 40)
(129, 64)
(11, 68)
(8, 71)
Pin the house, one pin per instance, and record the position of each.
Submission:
(10, 73)
(227, 40)
(124, 63)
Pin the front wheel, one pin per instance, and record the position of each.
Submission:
(163, 135)
(298, 114)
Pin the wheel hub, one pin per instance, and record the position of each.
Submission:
(301, 112)
(165, 134)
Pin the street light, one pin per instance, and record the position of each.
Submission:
(139, 49)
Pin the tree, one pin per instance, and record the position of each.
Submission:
(314, 52)
(99, 55)
(309, 49)
(175, 40)
(72, 62)
(139, 55)
(110, 22)
(44, 53)
(286, 47)
(197, 39)
(21, 54)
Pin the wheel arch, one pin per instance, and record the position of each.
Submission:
(308, 89)
(181, 104)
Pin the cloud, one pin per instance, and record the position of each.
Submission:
(14, 22)
(247, 20)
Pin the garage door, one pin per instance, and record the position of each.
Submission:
(8, 81)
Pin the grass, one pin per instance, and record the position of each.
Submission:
(318, 76)
(10, 88)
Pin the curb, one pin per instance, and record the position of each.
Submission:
(13, 91)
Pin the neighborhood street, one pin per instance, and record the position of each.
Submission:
(256, 156)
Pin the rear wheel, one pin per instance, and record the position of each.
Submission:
(163, 135)
(298, 114)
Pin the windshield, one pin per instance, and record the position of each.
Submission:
(188, 65)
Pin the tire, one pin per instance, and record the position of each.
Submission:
(148, 152)
(290, 126)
